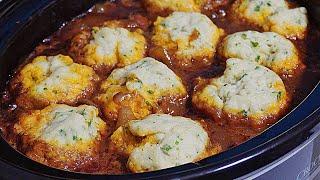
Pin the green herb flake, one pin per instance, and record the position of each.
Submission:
(89, 122)
(243, 76)
(166, 148)
(83, 112)
(244, 36)
(257, 8)
(57, 114)
(254, 44)
(258, 58)
(279, 94)
(94, 31)
(150, 92)
(62, 132)
(148, 103)
(269, 3)
(244, 113)
(45, 89)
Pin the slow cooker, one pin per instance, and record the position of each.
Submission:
(290, 149)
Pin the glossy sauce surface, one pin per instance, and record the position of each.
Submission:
(109, 161)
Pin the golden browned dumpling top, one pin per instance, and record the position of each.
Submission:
(161, 141)
(55, 79)
(187, 36)
(111, 45)
(274, 15)
(143, 84)
(246, 90)
(61, 133)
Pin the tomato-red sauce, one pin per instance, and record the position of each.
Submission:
(109, 161)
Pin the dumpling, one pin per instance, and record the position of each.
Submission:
(62, 136)
(247, 93)
(138, 90)
(268, 49)
(54, 79)
(189, 38)
(161, 141)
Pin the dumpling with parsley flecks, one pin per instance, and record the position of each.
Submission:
(291, 23)
(268, 49)
(247, 93)
(109, 46)
(62, 136)
(273, 15)
(54, 79)
(139, 89)
(162, 141)
(189, 39)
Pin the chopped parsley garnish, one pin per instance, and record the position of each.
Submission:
(258, 58)
(269, 3)
(83, 112)
(176, 142)
(254, 44)
(244, 36)
(95, 30)
(45, 89)
(57, 114)
(62, 132)
(243, 76)
(257, 67)
(179, 139)
(150, 91)
(76, 138)
(166, 148)
(148, 103)
(257, 8)
(279, 94)
(244, 113)
(89, 122)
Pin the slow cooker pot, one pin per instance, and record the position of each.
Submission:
(24, 23)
